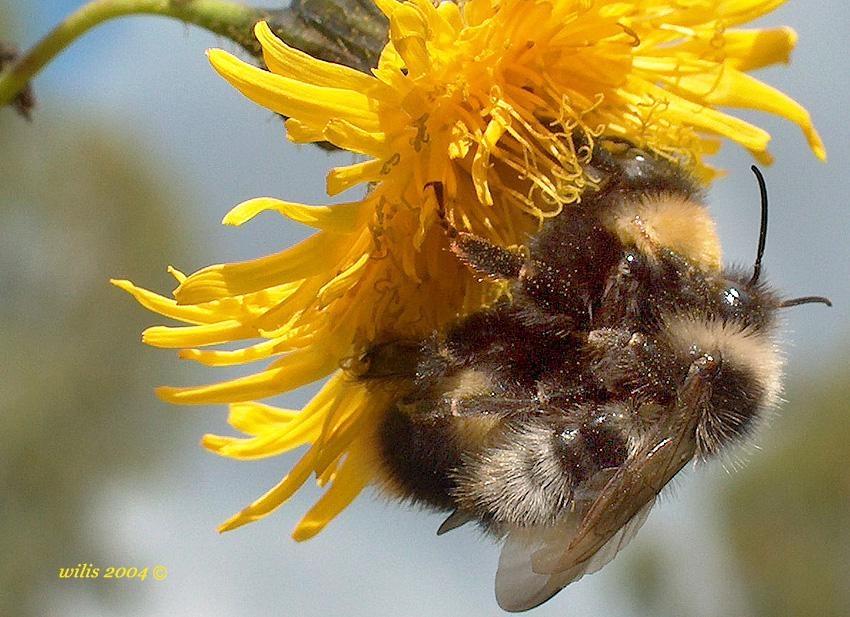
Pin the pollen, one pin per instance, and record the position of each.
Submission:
(499, 101)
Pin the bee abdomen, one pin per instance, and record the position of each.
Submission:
(535, 466)
(586, 450)
(418, 455)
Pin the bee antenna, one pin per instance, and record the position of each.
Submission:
(805, 300)
(762, 228)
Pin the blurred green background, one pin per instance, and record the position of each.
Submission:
(134, 154)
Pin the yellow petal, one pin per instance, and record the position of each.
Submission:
(729, 12)
(304, 260)
(343, 281)
(343, 178)
(301, 133)
(328, 474)
(283, 317)
(306, 426)
(734, 12)
(342, 218)
(197, 336)
(314, 105)
(254, 418)
(166, 306)
(349, 137)
(748, 50)
(295, 370)
(351, 478)
(751, 50)
(481, 161)
(451, 14)
(275, 497)
(736, 89)
(178, 276)
(679, 110)
(208, 357)
(271, 442)
(295, 64)
(337, 443)
(359, 410)
(408, 32)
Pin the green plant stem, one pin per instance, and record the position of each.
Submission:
(229, 19)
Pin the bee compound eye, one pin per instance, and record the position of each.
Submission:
(734, 300)
(734, 296)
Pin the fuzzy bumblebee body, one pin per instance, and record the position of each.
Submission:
(554, 418)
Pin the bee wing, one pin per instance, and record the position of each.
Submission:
(636, 483)
(520, 588)
(537, 563)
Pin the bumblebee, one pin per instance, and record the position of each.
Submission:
(624, 350)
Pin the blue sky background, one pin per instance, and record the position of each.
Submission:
(148, 77)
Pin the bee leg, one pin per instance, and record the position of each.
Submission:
(479, 254)
(394, 359)
(486, 258)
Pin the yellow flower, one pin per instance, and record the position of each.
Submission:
(485, 99)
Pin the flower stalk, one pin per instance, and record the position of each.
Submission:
(352, 36)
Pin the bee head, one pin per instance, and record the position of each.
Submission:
(670, 311)
(735, 330)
